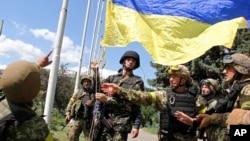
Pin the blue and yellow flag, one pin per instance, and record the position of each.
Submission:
(174, 31)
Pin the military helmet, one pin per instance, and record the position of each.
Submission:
(20, 81)
(84, 77)
(180, 70)
(240, 62)
(131, 54)
(212, 83)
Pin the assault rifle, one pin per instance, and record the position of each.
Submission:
(98, 123)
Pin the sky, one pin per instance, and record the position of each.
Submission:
(30, 28)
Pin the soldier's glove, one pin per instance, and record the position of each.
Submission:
(239, 116)
(204, 120)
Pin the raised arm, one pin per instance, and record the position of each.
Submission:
(159, 98)
(44, 60)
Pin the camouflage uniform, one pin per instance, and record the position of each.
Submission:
(80, 113)
(20, 83)
(121, 114)
(241, 64)
(161, 99)
(206, 104)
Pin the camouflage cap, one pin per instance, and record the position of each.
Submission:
(21, 81)
(180, 70)
(241, 62)
(86, 77)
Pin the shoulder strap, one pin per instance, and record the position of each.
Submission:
(122, 80)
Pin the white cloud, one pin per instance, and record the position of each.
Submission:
(18, 49)
(43, 33)
(70, 52)
(21, 28)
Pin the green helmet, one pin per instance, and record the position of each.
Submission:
(240, 62)
(86, 77)
(212, 83)
(20, 81)
(181, 71)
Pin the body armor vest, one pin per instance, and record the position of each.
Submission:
(84, 111)
(184, 102)
(120, 116)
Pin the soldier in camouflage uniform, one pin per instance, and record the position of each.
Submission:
(179, 97)
(206, 103)
(79, 110)
(236, 102)
(20, 83)
(120, 113)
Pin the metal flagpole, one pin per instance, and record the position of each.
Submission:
(55, 65)
(98, 38)
(82, 49)
(1, 27)
(93, 36)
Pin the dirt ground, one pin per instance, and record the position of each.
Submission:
(144, 136)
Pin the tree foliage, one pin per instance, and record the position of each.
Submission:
(64, 87)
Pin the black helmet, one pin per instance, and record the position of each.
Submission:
(131, 54)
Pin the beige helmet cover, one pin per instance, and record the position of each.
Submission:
(86, 77)
(20, 81)
(180, 70)
(242, 63)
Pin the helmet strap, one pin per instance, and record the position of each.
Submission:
(237, 76)
(126, 68)
(179, 85)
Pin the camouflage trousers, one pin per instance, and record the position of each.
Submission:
(76, 127)
(114, 136)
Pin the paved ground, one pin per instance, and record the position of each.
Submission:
(144, 136)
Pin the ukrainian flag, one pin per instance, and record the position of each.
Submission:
(174, 31)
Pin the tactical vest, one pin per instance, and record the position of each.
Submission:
(177, 102)
(226, 104)
(80, 109)
(121, 115)
(237, 91)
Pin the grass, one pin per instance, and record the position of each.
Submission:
(61, 135)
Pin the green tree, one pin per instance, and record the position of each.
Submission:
(64, 88)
